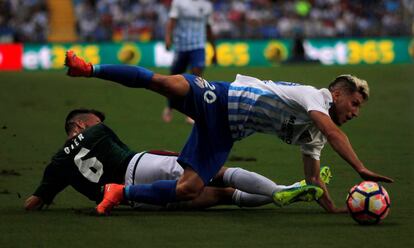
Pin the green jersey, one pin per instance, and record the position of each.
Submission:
(86, 162)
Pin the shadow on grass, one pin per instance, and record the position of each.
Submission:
(298, 216)
(295, 215)
(236, 212)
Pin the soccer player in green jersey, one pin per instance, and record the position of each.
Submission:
(94, 156)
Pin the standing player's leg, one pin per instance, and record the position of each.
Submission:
(180, 63)
(197, 62)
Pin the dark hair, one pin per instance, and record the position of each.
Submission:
(74, 113)
(351, 84)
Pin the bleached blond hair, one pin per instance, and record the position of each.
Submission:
(351, 84)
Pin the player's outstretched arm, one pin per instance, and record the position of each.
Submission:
(33, 203)
(312, 176)
(340, 143)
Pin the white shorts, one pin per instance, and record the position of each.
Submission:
(147, 167)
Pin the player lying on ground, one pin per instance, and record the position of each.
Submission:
(93, 156)
(227, 112)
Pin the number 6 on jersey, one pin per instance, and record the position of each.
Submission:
(90, 168)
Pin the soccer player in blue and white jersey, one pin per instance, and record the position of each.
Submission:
(188, 28)
(227, 112)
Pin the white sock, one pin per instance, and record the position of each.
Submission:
(252, 182)
(243, 199)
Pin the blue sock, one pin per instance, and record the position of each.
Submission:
(130, 76)
(159, 193)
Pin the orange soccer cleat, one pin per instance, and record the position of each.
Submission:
(113, 196)
(77, 66)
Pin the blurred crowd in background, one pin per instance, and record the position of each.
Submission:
(144, 20)
(23, 20)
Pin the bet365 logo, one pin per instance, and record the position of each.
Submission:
(209, 95)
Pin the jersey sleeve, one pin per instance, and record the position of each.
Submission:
(317, 100)
(314, 148)
(52, 183)
(175, 10)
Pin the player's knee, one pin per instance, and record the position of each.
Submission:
(219, 176)
(229, 175)
(189, 190)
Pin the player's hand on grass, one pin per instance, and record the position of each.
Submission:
(372, 176)
(329, 206)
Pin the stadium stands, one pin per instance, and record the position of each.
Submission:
(257, 19)
(143, 20)
(24, 20)
(62, 21)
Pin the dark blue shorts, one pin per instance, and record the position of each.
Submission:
(183, 60)
(210, 141)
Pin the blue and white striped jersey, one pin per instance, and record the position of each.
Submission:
(192, 18)
(279, 108)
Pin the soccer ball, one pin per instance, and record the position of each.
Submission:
(368, 203)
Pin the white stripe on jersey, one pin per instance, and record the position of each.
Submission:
(279, 108)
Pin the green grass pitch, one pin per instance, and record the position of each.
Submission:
(33, 106)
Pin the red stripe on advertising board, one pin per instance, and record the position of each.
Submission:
(11, 57)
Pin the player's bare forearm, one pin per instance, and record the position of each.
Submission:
(326, 201)
(342, 146)
(312, 176)
(337, 139)
(33, 203)
(340, 143)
